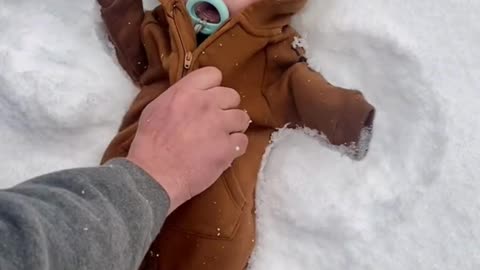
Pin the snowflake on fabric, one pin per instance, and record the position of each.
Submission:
(299, 43)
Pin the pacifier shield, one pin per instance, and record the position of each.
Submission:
(207, 15)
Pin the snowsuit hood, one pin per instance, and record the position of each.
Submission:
(266, 14)
(272, 14)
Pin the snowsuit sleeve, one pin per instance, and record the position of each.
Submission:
(123, 20)
(304, 97)
(93, 218)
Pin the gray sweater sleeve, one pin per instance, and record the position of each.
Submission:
(93, 218)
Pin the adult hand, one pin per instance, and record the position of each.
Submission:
(190, 134)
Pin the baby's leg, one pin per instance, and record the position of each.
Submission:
(123, 20)
(216, 229)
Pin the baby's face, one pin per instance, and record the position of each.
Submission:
(210, 14)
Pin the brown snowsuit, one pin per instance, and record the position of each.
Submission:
(216, 229)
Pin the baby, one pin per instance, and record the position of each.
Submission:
(250, 41)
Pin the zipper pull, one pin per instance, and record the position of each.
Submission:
(188, 60)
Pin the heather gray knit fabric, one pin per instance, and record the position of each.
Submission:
(93, 218)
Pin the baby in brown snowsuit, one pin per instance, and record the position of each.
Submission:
(253, 49)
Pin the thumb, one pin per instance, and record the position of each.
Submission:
(202, 79)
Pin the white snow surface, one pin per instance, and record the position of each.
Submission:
(413, 203)
(61, 94)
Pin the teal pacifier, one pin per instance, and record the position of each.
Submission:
(207, 15)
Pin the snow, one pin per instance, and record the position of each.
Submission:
(61, 94)
(299, 43)
(412, 203)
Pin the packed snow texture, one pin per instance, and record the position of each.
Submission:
(413, 203)
(61, 94)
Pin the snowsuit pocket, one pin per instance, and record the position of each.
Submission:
(213, 214)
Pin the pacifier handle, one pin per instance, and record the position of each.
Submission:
(203, 26)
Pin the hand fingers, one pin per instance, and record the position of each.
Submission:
(235, 121)
(226, 98)
(239, 142)
(202, 79)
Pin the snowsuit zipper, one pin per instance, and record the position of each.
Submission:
(191, 56)
(187, 59)
(187, 63)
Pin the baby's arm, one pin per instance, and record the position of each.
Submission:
(303, 96)
(123, 19)
(339, 113)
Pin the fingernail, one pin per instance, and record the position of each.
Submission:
(237, 148)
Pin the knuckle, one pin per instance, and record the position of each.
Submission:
(214, 123)
(223, 154)
(203, 102)
(214, 73)
(242, 117)
(234, 95)
(218, 123)
(184, 97)
(243, 139)
(240, 139)
(246, 117)
(241, 142)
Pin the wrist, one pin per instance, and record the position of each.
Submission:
(177, 192)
